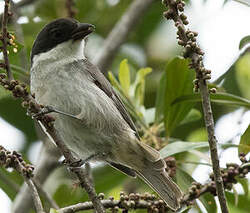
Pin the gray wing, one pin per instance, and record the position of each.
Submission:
(101, 81)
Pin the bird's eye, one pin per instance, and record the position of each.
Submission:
(56, 34)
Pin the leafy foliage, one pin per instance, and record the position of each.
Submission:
(245, 142)
(173, 122)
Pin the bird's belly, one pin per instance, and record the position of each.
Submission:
(82, 140)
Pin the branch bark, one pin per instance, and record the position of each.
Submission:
(120, 33)
(150, 202)
(4, 37)
(79, 172)
(35, 196)
(106, 203)
(187, 39)
(46, 195)
(20, 36)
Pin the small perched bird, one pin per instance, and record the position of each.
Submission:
(89, 115)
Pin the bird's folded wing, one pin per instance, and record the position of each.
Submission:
(100, 81)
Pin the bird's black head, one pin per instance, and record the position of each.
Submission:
(59, 31)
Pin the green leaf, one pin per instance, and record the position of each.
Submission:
(242, 67)
(140, 84)
(193, 115)
(245, 165)
(180, 146)
(245, 142)
(178, 83)
(19, 70)
(236, 196)
(183, 179)
(114, 82)
(243, 205)
(141, 74)
(159, 104)
(53, 211)
(185, 209)
(124, 76)
(129, 105)
(208, 202)
(197, 135)
(14, 179)
(221, 98)
(139, 94)
(4, 93)
(245, 184)
(244, 41)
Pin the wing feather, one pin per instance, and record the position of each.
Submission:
(101, 81)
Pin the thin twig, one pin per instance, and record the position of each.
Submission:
(187, 39)
(46, 195)
(20, 36)
(80, 173)
(106, 203)
(89, 173)
(47, 163)
(4, 38)
(14, 160)
(35, 196)
(120, 33)
(71, 11)
(244, 2)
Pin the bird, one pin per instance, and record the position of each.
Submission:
(90, 117)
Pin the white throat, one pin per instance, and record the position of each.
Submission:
(63, 53)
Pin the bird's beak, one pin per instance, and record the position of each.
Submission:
(82, 30)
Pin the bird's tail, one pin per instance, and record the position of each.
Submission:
(158, 179)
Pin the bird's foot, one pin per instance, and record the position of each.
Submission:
(49, 109)
(79, 162)
(44, 111)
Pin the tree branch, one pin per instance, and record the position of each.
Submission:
(5, 37)
(35, 196)
(47, 162)
(46, 195)
(151, 203)
(187, 39)
(120, 32)
(15, 161)
(19, 35)
(71, 11)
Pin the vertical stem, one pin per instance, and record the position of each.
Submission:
(35, 196)
(5, 38)
(209, 121)
(192, 50)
